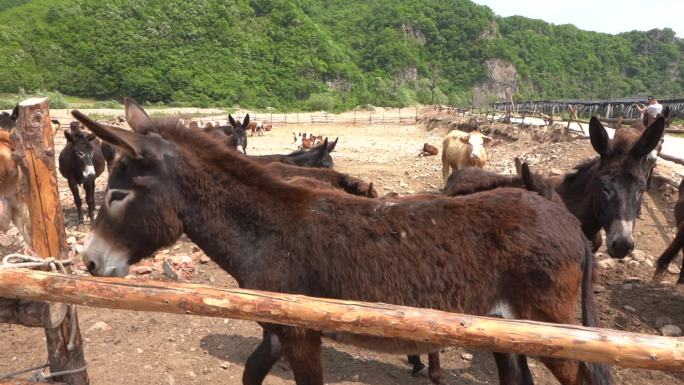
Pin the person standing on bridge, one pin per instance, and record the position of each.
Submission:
(653, 109)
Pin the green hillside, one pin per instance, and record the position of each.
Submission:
(325, 54)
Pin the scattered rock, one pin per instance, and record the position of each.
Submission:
(649, 263)
(99, 326)
(633, 280)
(638, 255)
(139, 350)
(71, 240)
(633, 263)
(629, 308)
(673, 268)
(6, 240)
(466, 356)
(355, 378)
(671, 331)
(141, 270)
(599, 288)
(168, 271)
(607, 263)
(225, 364)
(627, 286)
(402, 184)
(555, 171)
(662, 321)
(204, 259)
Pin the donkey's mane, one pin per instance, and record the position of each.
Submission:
(212, 151)
(582, 168)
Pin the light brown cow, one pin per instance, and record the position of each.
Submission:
(461, 149)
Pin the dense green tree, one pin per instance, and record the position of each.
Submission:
(316, 54)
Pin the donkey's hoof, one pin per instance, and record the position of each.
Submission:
(417, 368)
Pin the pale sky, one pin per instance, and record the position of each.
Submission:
(596, 15)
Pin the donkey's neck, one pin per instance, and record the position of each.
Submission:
(577, 191)
(229, 220)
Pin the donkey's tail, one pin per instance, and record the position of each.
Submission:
(668, 255)
(600, 373)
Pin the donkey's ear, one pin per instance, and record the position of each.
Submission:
(332, 145)
(324, 147)
(518, 166)
(135, 115)
(245, 121)
(129, 142)
(535, 182)
(232, 121)
(599, 137)
(649, 139)
(91, 137)
(68, 136)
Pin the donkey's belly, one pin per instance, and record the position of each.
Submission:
(382, 344)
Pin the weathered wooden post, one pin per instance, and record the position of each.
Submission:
(34, 143)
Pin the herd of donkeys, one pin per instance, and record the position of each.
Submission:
(509, 246)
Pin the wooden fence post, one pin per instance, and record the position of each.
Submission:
(34, 143)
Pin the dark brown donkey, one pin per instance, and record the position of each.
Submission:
(317, 156)
(507, 252)
(677, 243)
(470, 180)
(603, 192)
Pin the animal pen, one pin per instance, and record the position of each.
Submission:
(34, 298)
(610, 111)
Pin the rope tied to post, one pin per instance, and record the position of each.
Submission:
(19, 261)
(22, 261)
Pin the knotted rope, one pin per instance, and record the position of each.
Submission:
(19, 261)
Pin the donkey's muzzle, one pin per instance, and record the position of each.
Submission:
(620, 247)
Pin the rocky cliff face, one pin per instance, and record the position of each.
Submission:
(501, 84)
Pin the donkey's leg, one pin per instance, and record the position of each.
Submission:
(416, 362)
(680, 281)
(302, 347)
(90, 199)
(567, 372)
(77, 200)
(513, 368)
(260, 362)
(434, 368)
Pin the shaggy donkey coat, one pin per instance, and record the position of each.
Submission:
(506, 252)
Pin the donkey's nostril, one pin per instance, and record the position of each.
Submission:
(91, 265)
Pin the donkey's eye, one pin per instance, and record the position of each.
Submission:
(117, 196)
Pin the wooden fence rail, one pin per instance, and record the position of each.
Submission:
(527, 337)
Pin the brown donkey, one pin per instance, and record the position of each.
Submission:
(506, 253)
(677, 243)
(604, 192)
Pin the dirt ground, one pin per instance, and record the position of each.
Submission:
(125, 347)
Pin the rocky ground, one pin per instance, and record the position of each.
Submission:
(146, 348)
